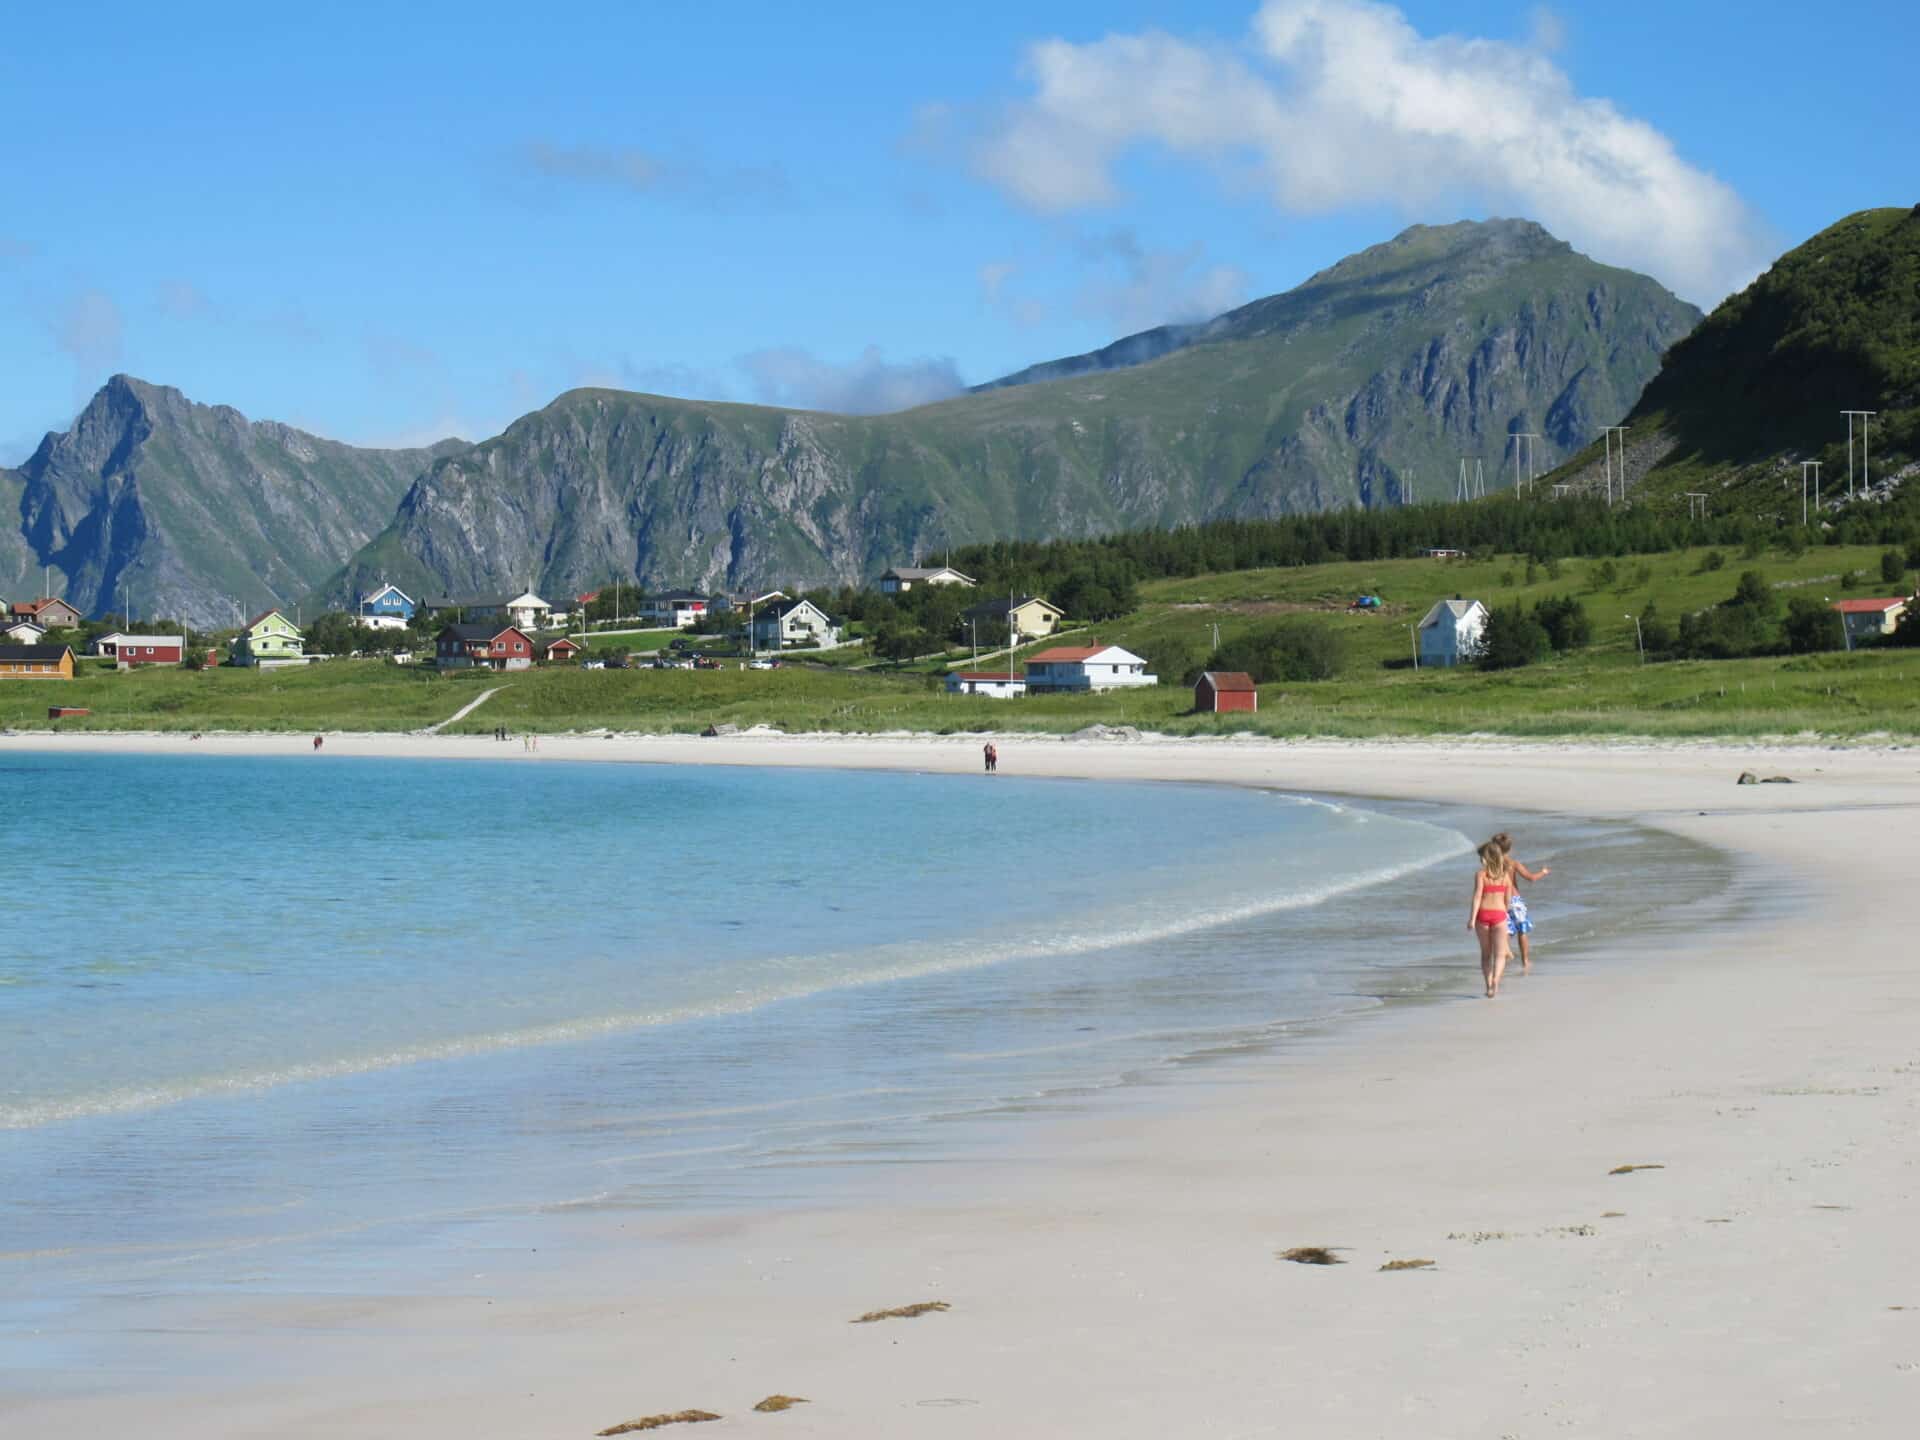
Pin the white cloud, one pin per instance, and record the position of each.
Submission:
(92, 331)
(1546, 29)
(1343, 103)
(688, 179)
(993, 279)
(1146, 287)
(621, 165)
(870, 385)
(183, 300)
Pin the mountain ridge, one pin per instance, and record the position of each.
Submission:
(153, 501)
(1389, 365)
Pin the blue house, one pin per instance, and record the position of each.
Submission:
(388, 608)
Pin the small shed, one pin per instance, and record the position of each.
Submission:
(1219, 691)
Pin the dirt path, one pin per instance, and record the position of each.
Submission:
(465, 710)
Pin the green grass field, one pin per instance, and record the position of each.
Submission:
(1601, 691)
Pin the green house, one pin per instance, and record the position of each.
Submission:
(269, 639)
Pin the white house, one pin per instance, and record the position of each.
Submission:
(1030, 617)
(526, 610)
(903, 578)
(24, 632)
(787, 624)
(1868, 619)
(676, 609)
(1000, 685)
(1451, 632)
(1086, 667)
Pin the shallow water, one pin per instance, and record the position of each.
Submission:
(295, 1016)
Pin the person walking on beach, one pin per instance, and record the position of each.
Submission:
(992, 757)
(1492, 888)
(318, 741)
(1519, 926)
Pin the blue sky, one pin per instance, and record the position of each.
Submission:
(389, 223)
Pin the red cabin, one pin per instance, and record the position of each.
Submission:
(1218, 691)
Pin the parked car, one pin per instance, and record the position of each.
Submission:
(593, 664)
(761, 664)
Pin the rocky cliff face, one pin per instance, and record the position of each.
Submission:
(1365, 386)
(192, 511)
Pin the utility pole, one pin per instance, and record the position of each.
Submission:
(1621, 431)
(1639, 637)
(1528, 476)
(1805, 467)
(1479, 478)
(1864, 417)
(1460, 490)
(1696, 504)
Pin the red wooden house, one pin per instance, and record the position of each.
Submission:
(1222, 690)
(489, 646)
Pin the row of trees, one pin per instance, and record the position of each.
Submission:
(1544, 532)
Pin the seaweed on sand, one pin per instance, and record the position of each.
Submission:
(902, 1312)
(774, 1404)
(1406, 1264)
(654, 1422)
(1312, 1255)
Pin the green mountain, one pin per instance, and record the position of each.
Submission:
(192, 511)
(1760, 386)
(1364, 386)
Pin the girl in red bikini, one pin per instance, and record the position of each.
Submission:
(1492, 889)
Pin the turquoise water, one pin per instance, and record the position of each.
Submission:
(290, 1014)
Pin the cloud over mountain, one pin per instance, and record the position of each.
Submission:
(1335, 103)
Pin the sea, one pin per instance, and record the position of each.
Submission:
(264, 1019)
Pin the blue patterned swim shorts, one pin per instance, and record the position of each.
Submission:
(1517, 921)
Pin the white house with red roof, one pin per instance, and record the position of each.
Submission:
(1870, 619)
(1086, 667)
(1000, 684)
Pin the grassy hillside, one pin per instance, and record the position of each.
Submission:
(1601, 691)
(1759, 386)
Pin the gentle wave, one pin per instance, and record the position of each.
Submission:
(905, 963)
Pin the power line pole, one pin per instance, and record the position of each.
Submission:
(1807, 466)
(1621, 431)
(1529, 474)
(1460, 490)
(1696, 504)
(1864, 417)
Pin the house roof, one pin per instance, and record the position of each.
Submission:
(780, 609)
(34, 607)
(34, 652)
(989, 609)
(555, 642)
(482, 630)
(1868, 607)
(1067, 654)
(386, 589)
(119, 639)
(1457, 609)
(994, 675)
(925, 572)
(1232, 681)
(12, 623)
(268, 614)
(676, 597)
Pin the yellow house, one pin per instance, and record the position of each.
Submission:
(36, 662)
(1032, 618)
(269, 639)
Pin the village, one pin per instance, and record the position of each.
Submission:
(47, 638)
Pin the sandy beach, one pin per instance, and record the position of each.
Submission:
(1115, 1273)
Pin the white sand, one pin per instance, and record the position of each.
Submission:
(1112, 1273)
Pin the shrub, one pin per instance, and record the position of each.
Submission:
(1297, 649)
(1655, 634)
(1812, 625)
(1565, 621)
(1512, 639)
(1713, 560)
(1893, 567)
(1604, 574)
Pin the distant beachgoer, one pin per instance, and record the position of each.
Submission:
(318, 742)
(1492, 888)
(1519, 924)
(992, 757)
